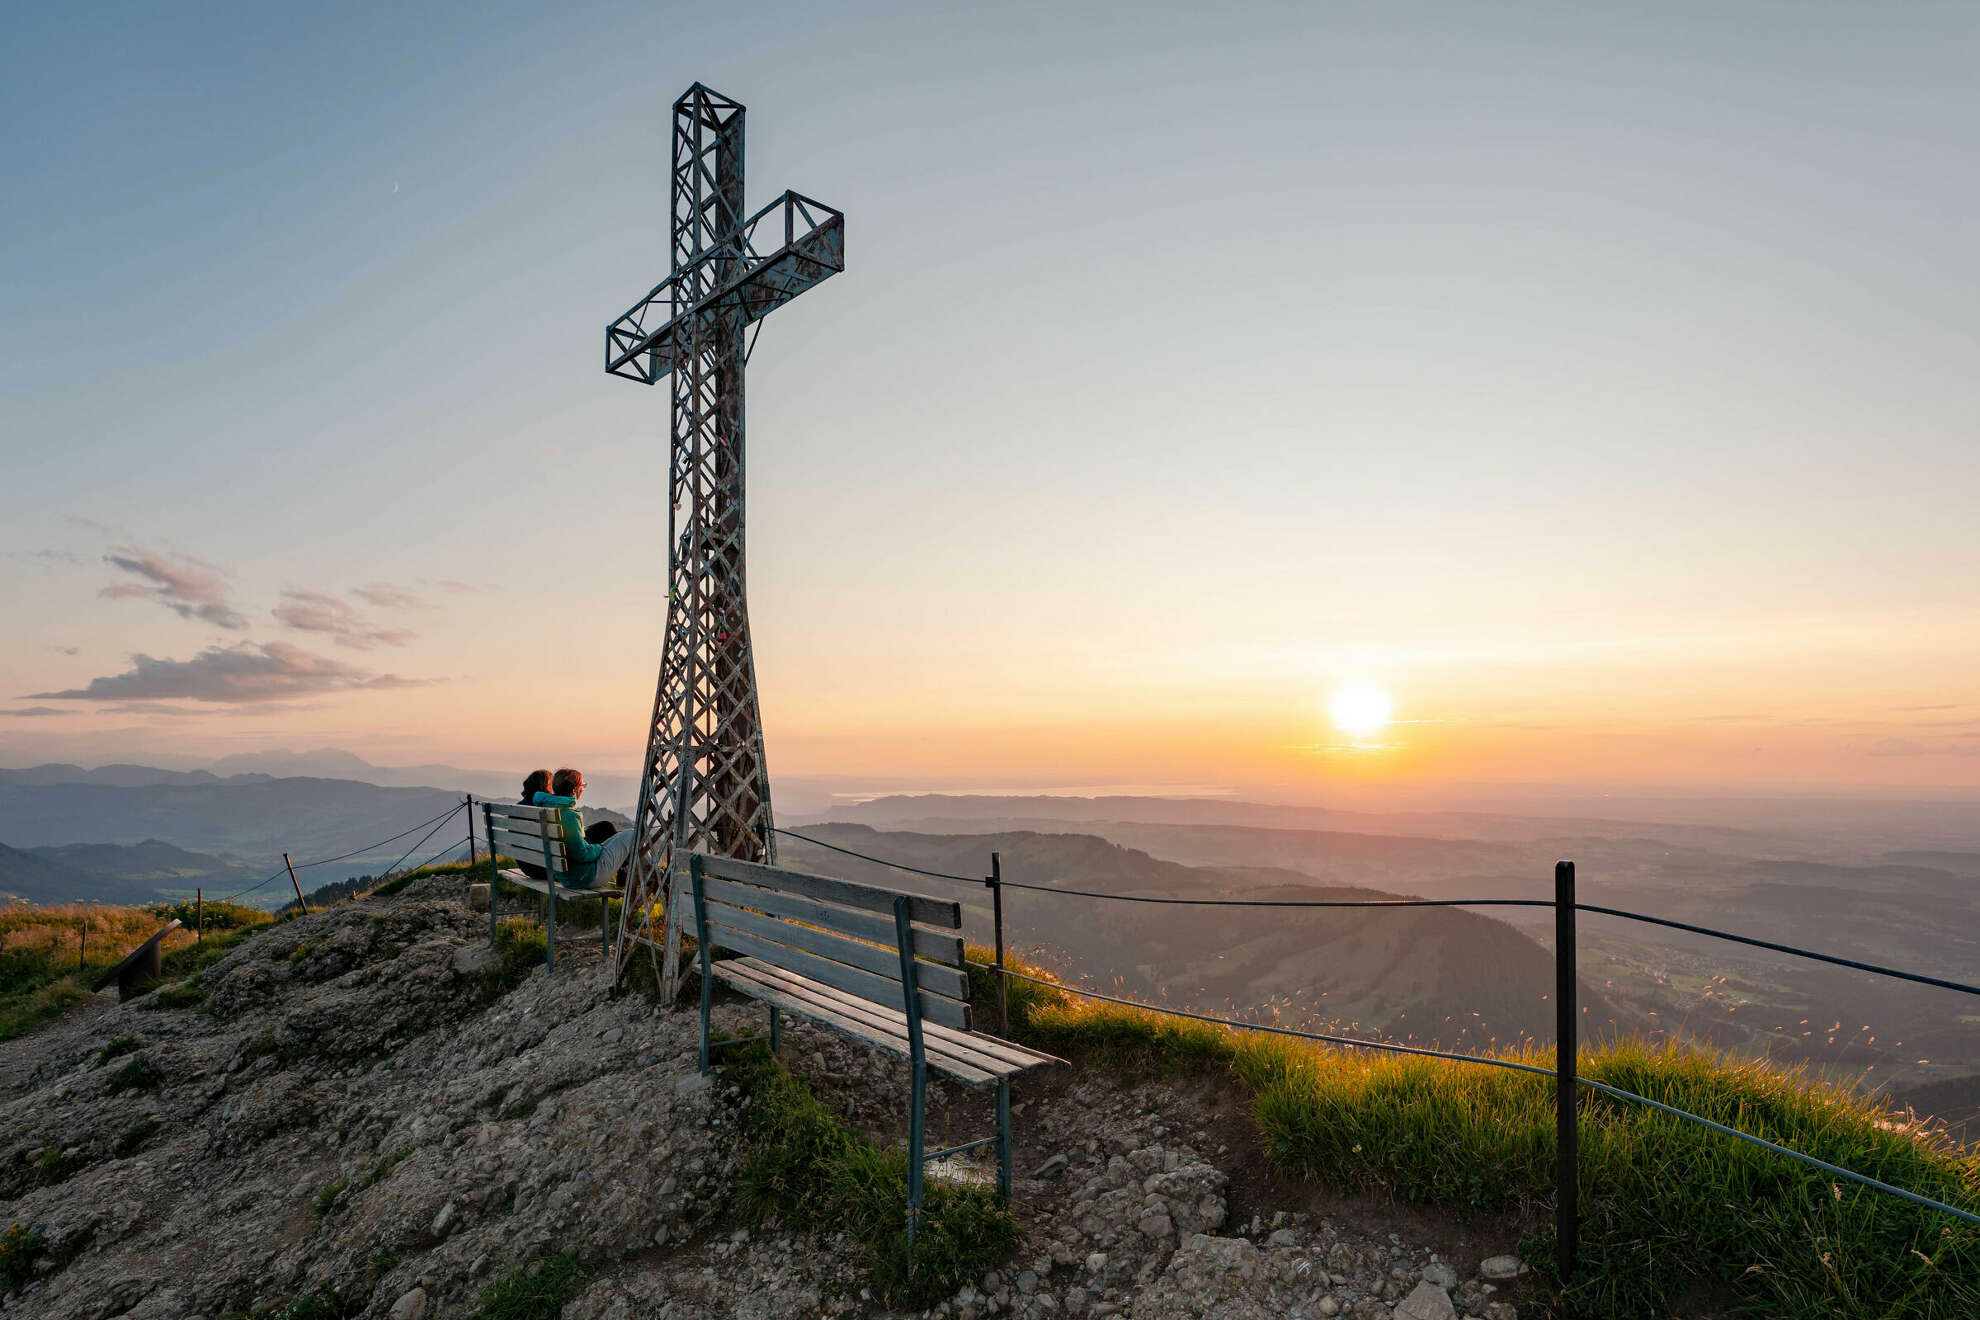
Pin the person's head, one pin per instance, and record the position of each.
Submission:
(537, 781)
(567, 783)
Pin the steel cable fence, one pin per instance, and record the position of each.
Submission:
(1565, 907)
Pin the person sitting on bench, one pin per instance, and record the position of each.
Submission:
(537, 781)
(592, 864)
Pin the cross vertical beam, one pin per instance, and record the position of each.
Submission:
(704, 785)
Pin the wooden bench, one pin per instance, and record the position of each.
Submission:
(141, 969)
(536, 835)
(882, 966)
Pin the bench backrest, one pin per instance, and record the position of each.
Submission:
(528, 834)
(835, 931)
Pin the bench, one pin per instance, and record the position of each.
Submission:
(536, 835)
(142, 967)
(882, 966)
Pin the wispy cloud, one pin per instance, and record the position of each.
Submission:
(448, 584)
(48, 558)
(190, 588)
(388, 597)
(31, 712)
(312, 611)
(245, 674)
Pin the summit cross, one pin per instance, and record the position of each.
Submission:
(704, 786)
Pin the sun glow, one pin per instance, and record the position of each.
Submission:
(1359, 709)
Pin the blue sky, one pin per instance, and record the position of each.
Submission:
(1595, 373)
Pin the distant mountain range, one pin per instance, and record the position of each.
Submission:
(1435, 975)
(113, 873)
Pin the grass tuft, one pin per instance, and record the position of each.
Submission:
(814, 1172)
(117, 1049)
(537, 1292)
(520, 945)
(326, 1197)
(135, 1075)
(1667, 1206)
(19, 1248)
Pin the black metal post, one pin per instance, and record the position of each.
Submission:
(295, 882)
(1567, 1213)
(472, 863)
(996, 883)
(199, 909)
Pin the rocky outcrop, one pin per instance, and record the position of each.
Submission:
(358, 1112)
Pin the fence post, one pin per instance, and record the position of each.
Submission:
(471, 858)
(1567, 1213)
(199, 920)
(297, 883)
(996, 883)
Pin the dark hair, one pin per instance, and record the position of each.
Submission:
(565, 782)
(537, 781)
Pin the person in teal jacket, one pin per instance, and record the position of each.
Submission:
(592, 864)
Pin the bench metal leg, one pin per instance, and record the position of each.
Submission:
(1004, 1138)
(774, 1024)
(917, 1121)
(918, 1101)
(701, 939)
(550, 948)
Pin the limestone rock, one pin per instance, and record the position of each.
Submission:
(1426, 1302)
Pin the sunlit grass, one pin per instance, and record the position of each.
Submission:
(1667, 1205)
(50, 954)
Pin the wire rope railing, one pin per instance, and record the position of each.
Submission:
(1567, 1079)
(435, 822)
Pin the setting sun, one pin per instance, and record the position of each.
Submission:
(1359, 709)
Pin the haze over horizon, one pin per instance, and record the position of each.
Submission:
(1594, 389)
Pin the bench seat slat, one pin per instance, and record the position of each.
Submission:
(872, 1028)
(928, 911)
(936, 946)
(564, 891)
(948, 1012)
(840, 948)
(875, 1026)
(991, 1053)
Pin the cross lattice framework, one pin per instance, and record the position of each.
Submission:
(704, 785)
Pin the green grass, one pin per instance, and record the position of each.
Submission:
(810, 1169)
(135, 1075)
(117, 1049)
(327, 1196)
(520, 944)
(220, 915)
(18, 1249)
(1667, 1207)
(40, 947)
(536, 1292)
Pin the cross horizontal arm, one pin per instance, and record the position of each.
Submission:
(642, 345)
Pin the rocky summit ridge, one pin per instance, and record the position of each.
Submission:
(361, 1112)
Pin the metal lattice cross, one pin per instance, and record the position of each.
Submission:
(704, 785)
